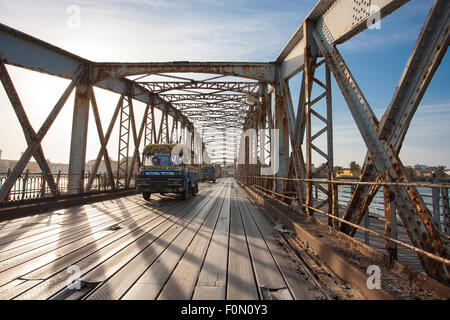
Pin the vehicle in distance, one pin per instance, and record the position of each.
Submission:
(209, 173)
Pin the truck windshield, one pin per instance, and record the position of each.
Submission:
(157, 160)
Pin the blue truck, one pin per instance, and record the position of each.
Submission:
(209, 173)
(160, 175)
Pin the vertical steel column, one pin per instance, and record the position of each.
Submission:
(330, 148)
(266, 143)
(246, 172)
(281, 124)
(78, 143)
(366, 224)
(334, 201)
(308, 70)
(445, 210)
(329, 102)
(176, 139)
(435, 198)
(192, 139)
(150, 126)
(391, 222)
(124, 140)
(327, 167)
(163, 136)
(183, 133)
(174, 130)
(103, 152)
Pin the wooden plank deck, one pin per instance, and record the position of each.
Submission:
(214, 246)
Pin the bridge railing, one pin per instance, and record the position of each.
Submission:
(31, 186)
(436, 195)
(435, 198)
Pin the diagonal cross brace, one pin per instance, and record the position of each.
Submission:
(137, 138)
(103, 141)
(26, 156)
(421, 229)
(424, 60)
(28, 130)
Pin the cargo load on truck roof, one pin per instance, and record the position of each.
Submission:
(162, 148)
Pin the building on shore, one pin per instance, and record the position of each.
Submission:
(102, 167)
(424, 172)
(8, 165)
(344, 173)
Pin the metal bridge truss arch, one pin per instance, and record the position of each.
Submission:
(230, 98)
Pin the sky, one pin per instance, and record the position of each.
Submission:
(213, 30)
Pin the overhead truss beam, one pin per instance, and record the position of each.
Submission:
(264, 72)
(343, 19)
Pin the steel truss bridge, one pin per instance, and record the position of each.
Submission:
(222, 101)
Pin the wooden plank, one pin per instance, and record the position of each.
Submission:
(211, 284)
(43, 218)
(21, 247)
(160, 270)
(181, 283)
(74, 240)
(336, 263)
(95, 252)
(18, 285)
(90, 257)
(241, 283)
(36, 233)
(50, 227)
(18, 245)
(57, 265)
(286, 264)
(268, 276)
(44, 266)
(60, 251)
(119, 283)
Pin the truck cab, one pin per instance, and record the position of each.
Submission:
(159, 174)
(209, 173)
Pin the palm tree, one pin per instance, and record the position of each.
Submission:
(410, 173)
(440, 172)
(355, 168)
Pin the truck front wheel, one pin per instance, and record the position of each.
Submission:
(146, 196)
(194, 190)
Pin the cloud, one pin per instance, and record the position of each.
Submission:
(155, 30)
(401, 27)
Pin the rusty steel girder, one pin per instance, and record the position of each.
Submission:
(24, 51)
(263, 72)
(28, 130)
(195, 106)
(422, 230)
(205, 96)
(249, 88)
(427, 54)
(344, 19)
(26, 156)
